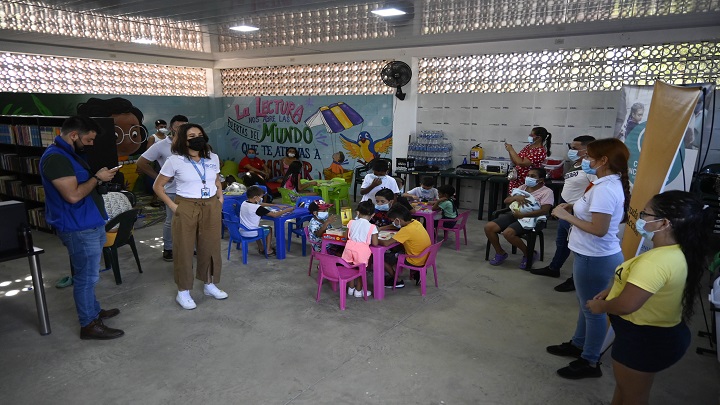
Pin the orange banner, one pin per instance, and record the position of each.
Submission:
(670, 111)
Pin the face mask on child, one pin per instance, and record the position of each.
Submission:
(382, 207)
(323, 215)
(251, 156)
(397, 224)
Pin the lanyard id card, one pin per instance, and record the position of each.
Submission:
(204, 191)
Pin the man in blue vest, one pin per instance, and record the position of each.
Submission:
(75, 209)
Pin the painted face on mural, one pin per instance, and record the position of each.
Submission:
(130, 134)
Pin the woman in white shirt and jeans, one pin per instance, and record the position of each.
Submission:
(595, 218)
(197, 212)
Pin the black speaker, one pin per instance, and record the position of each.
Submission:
(14, 221)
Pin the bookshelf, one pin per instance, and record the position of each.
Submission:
(23, 140)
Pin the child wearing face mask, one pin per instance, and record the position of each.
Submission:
(361, 234)
(426, 191)
(251, 212)
(414, 239)
(384, 200)
(321, 221)
(508, 224)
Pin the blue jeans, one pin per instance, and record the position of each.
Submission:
(562, 252)
(592, 275)
(85, 249)
(167, 226)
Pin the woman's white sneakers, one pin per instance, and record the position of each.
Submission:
(212, 290)
(185, 300)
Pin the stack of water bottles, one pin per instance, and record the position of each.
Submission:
(430, 148)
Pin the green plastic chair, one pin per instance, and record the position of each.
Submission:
(286, 195)
(340, 193)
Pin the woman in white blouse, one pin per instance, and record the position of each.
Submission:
(197, 212)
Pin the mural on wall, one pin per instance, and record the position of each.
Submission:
(318, 127)
(128, 113)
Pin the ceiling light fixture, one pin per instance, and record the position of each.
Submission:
(388, 12)
(144, 41)
(244, 28)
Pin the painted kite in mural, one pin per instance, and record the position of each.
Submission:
(365, 148)
(336, 117)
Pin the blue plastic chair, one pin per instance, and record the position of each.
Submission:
(296, 228)
(231, 204)
(232, 222)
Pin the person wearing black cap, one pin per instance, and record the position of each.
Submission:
(161, 131)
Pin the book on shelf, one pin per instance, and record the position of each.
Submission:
(36, 217)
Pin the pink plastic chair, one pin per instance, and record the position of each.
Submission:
(431, 251)
(336, 269)
(460, 223)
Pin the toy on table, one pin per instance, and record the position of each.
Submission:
(336, 234)
(422, 206)
(345, 216)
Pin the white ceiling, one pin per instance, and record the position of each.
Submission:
(212, 15)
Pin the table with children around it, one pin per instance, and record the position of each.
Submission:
(339, 237)
(424, 210)
(279, 222)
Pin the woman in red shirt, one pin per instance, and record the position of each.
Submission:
(254, 168)
(532, 155)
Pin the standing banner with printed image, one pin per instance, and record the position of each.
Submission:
(671, 109)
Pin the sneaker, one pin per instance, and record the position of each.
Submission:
(359, 293)
(498, 259)
(185, 300)
(389, 283)
(415, 276)
(523, 262)
(167, 255)
(351, 291)
(566, 349)
(211, 289)
(546, 271)
(566, 286)
(579, 369)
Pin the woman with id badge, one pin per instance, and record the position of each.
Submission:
(197, 212)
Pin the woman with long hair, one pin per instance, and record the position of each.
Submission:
(532, 155)
(652, 296)
(197, 212)
(595, 219)
(291, 181)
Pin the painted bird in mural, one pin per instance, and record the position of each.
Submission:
(365, 148)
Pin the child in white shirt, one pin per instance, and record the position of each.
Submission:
(361, 234)
(251, 212)
(426, 191)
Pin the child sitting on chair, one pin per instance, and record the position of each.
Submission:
(508, 224)
(251, 212)
(336, 166)
(414, 239)
(291, 181)
(426, 191)
(321, 222)
(384, 200)
(361, 234)
(447, 204)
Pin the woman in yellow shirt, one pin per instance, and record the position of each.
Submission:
(652, 295)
